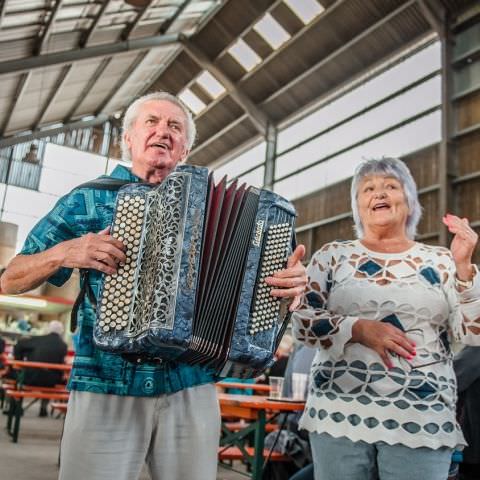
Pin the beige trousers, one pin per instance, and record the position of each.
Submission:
(110, 437)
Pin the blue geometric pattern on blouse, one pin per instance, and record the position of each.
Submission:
(430, 275)
(78, 213)
(370, 267)
(423, 391)
(393, 320)
(322, 327)
(315, 300)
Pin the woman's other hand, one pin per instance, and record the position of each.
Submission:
(384, 338)
(463, 244)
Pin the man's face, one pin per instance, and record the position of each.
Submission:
(157, 140)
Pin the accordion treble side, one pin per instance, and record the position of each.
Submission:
(192, 288)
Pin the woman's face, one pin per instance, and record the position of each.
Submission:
(382, 203)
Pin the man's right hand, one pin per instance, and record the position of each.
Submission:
(384, 338)
(99, 251)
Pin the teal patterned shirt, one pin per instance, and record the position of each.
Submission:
(81, 211)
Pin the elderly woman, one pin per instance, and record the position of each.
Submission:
(381, 310)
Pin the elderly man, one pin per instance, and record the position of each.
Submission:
(122, 414)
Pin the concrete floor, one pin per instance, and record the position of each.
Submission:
(35, 455)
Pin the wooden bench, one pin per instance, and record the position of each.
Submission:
(234, 453)
(35, 388)
(15, 410)
(6, 383)
(61, 408)
(237, 426)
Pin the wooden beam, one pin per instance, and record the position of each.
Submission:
(258, 117)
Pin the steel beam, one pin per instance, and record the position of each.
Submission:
(131, 27)
(62, 58)
(56, 90)
(163, 30)
(258, 117)
(88, 34)
(270, 157)
(431, 15)
(50, 132)
(16, 98)
(445, 160)
(168, 23)
(3, 4)
(86, 89)
(43, 39)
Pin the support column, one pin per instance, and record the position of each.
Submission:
(446, 162)
(270, 156)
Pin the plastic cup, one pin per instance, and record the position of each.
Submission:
(299, 386)
(276, 386)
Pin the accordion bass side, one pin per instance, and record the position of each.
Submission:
(192, 288)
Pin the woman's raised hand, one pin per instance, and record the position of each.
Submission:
(463, 244)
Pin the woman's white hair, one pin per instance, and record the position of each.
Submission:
(387, 167)
(132, 113)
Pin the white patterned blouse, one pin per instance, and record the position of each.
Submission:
(352, 393)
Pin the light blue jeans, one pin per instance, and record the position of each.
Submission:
(342, 459)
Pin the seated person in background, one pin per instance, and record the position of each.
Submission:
(49, 348)
(3, 357)
(467, 369)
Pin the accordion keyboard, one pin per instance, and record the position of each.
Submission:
(266, 308)
(116, 303)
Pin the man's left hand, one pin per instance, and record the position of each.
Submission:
(292, 280)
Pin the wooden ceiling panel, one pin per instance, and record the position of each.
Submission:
(229, 23)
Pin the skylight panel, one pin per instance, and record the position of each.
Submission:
(210, 84)
(271, 31)
(244, 55)
(306, 10)
(191, 101)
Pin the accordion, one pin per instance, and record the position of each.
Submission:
(192, 288)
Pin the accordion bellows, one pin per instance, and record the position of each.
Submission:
(192, 288)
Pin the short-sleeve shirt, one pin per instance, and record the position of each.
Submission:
(81, 211)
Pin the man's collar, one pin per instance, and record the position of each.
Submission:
(123, 173)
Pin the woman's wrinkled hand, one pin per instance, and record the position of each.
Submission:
(292, 280)
(384, 338)
(463, 244)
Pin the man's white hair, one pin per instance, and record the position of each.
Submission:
(387, 167)
(132, 113)
(55, 327)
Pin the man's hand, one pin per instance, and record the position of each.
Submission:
(292, 280)
(383, 338)
(99, 251)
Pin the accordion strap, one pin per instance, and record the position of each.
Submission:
(105, 183)
(85, 289)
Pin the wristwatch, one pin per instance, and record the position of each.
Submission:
(463, 283)
(466, 283)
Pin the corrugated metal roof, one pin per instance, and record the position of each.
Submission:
(343, 40)
(31, 100)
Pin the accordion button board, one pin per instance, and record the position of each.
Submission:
(192, 288)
